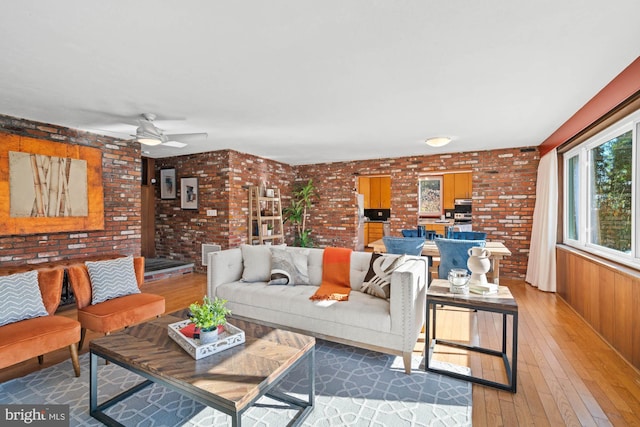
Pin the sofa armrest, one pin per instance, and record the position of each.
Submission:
(223, 267)
(408, 300)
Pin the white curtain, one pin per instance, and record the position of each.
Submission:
(541, 268)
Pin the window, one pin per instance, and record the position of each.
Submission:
(601, 193)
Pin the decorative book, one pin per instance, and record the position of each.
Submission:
(483, 289)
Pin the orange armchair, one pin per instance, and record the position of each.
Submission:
(116, 313)
(25, 339)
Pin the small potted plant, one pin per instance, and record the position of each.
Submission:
(208, 317)
(269, 229)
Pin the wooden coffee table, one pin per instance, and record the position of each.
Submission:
(230, 381)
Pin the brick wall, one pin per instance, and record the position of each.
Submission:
(223, 179)
(503, 193)
(121, 172)
(504, 183)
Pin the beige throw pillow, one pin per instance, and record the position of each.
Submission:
(257, 263)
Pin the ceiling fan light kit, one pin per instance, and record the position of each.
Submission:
(149, 141)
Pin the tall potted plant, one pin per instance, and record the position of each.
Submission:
(297, 213)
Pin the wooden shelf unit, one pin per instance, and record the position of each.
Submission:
(264, 212)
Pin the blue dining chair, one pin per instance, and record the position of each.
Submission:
(431, 234)
(454, 253)
(467, 235)
(410, 233)
(403, 245)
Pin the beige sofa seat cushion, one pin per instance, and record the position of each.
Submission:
(361, 310)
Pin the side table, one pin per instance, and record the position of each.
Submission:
(502, 302)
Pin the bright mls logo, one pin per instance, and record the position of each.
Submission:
(34, 415)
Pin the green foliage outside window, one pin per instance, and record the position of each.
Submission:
(611, 194)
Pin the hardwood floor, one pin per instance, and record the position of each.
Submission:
(567, 375)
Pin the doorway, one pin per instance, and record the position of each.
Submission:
(148, 211)
(376, 195)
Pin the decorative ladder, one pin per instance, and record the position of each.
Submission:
(265, 214)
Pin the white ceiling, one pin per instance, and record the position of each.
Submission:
(302, 81)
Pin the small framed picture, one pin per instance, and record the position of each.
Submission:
(167, 183)
(189, 193)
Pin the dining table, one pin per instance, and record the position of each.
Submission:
(498, 252)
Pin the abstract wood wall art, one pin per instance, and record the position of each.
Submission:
(48, 187)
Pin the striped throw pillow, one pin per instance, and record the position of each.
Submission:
(112, 279)
(21, 298)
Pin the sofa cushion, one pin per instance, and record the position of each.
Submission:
(20, 298)
(286, 302)
(289, 266)
(377, 281)
(112, 279)
(257, 263)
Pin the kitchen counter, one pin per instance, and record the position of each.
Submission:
(438, 221)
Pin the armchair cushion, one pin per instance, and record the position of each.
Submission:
(32, 337)
(21, 298)
(112, 279)
(117, 313)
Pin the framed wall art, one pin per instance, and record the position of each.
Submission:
(189, 193)
(430, 196)
(168, 184)
(49, 186)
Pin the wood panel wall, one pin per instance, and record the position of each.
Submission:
(606, 295)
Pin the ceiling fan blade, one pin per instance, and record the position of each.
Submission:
(187, 136)
(175, 144)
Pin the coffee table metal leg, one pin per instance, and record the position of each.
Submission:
(305, 407)
(93, 383)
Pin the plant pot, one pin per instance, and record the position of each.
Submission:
(208, 337)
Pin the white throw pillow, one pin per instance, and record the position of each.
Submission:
(289, 267)
(21, 298)
(257, 263)
(112, 279)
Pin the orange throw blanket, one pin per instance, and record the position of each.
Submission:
(336, 283)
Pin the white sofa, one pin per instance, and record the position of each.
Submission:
(386, 325)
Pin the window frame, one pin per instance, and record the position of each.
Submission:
(583, 152)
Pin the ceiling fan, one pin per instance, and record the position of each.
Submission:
(148, 133)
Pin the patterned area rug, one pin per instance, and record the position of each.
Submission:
(354, 387)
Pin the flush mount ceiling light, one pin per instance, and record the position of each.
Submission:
(438, 141)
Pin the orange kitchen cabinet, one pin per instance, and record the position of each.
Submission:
(364, 188)
(449, 190)
(462, 185)
(385, 192)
